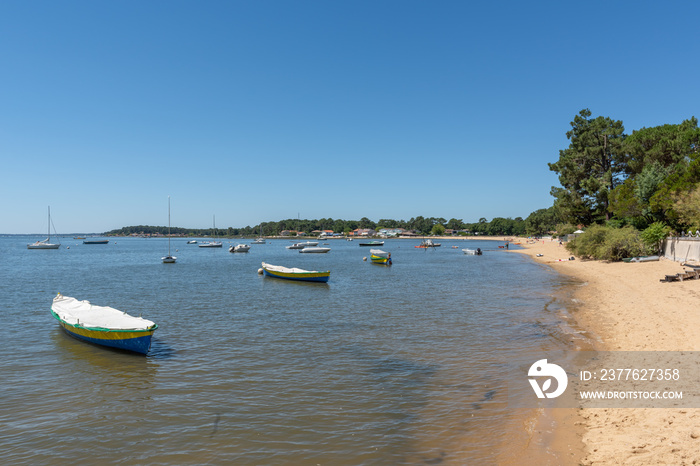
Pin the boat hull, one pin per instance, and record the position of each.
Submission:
(302, 277)
(380, 260)
(43, 246)
(314, 250)
(138, 341)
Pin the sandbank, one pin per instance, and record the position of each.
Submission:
(625, 307)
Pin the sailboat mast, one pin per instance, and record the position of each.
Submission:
(168, 225)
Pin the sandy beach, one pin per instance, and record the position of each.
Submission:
(625, 307)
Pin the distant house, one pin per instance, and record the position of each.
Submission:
(288, 233)
(362, 232)
(391, 232)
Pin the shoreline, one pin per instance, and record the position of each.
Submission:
(622, 307)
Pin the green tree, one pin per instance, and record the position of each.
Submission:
(665, 145)
(542, 221)
(437, 230)
(590, 167)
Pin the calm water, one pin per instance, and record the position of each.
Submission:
(382, 365)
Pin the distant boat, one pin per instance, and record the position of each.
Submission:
(212, 244)
(45, 244)
(472, 252)
(305, 244)
(192, 241)
(372, 243)
(260, 239)
(278, 271)
(169, 259)
(101, 325)
(314, 249)
(377, 256)
(78, 237)
(428, 243)
(239, 248)
(96, 241)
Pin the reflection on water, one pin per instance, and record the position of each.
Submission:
(381, 365)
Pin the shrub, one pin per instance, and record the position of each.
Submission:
(654, 235)
(606, 243)
(564, 229)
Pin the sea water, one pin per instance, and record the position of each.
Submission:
(400, 364)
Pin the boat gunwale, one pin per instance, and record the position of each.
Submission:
(151, 329)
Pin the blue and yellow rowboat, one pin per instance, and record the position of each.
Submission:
(278, 271)
(380, 257)
(101, 325)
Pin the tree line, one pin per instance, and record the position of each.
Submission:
(419, 225)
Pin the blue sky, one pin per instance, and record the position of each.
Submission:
(259, 111)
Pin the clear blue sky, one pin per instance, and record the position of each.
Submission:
(263, 110)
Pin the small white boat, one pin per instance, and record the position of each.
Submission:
(211, 244)
(305, 244)
(314, 249)
(472, 252)
(192, 241)
(169, 259)
(259, 241)
(45, 244)
(239, 248)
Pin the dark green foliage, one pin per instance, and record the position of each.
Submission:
(654, 236)
(665, 145)
(542, 221)
(606, 243)
(589, 168)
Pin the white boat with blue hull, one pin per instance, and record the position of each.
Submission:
(103, 325)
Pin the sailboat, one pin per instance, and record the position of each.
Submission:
(212, 244)
(46, 244)
(260, 239)
(169, 259)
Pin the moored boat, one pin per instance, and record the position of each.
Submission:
(377, 256)
(302, 245)
(472, 252)
(211, 244)
(314, 249)
(96, 241)
(45, 244)
(239, 248)
(103, 325)
(428, 243)
(278, 271)
(169, 259)
(372, 243)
